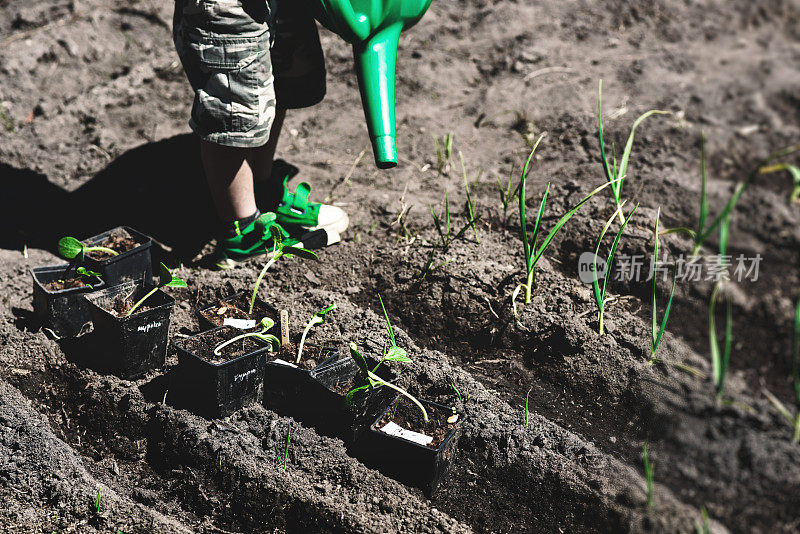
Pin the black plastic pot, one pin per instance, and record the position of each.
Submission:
(407, 461)
(205, 324)
(330, 409)
(219, 389)
(134, 264)
(64, 312)
(287, 387)
(130, 346)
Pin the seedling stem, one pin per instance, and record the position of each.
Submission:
(165, 279)
(316, 319)
(279, 250)
(266, 324)
(70, 248)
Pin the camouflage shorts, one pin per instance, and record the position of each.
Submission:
(224, 46)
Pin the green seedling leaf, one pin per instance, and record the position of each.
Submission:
(720, 358)
(612, 173)
(397, 354)
(648, 473)
(83, 271)
(300, 252)
(658, 330)
(361, 362)
(69, 248)
(167, 279)
(389, 329)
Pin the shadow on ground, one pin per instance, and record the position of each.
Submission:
(156, 188)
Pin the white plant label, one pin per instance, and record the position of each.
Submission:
(394, 429)
(284, 362)
(241, 324)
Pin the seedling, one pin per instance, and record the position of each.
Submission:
(97, 500)
(794, 172)
(373, 381)
(165, 279)
(84, 272)
(702, 526)
(316, 319)
(532, 253)
(7, 123)
(527, 411)
(648, 473)
(793, 420)
(286, 452)
(266, 324)
(444, 151)
(429, 266)
(396, 353)
(720, 358)
(470, 207)
(600, 293)
(447, 235)
(507, 196)
(279, 250)
(458, 393)
(703, 231)
(615, 176)
(658, 330)
(70, 248)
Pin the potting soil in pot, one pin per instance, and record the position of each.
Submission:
(236, 308)
(405, 420)
(119, 240)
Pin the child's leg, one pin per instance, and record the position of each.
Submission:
(224, 48)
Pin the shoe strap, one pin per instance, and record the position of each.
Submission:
(297, 202)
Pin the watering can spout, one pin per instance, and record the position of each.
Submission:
(376, 61)
(373, 28)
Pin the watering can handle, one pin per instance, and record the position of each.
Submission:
(346, 17)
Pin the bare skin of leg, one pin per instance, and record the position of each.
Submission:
(231, 172)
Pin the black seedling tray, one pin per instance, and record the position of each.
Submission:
(134, 264)
(64, 312)
(130, 346)
(219, 389)
(407, 461)
(205, 324)
(330, 409)
(287, 387)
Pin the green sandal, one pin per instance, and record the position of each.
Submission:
(295, 210)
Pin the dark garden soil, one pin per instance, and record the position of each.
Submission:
(237, 309)
(93, 135)
(61, 285)
(119, 240)
(203, 345)
(406, 414)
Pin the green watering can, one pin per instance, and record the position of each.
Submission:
(373, 28)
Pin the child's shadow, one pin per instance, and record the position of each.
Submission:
(156, 188)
